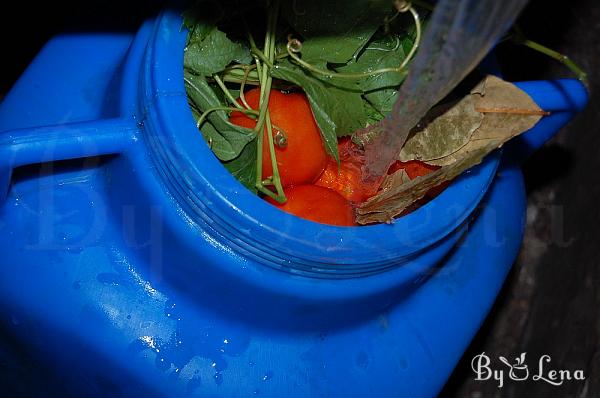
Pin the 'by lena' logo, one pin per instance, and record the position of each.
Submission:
(519, 371)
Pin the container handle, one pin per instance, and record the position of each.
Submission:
(35, 145)
(563, 98)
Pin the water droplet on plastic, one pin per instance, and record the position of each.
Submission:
(162, 364)
(218, 379)
(267, 376)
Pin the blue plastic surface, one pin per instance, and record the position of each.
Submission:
(155, 272)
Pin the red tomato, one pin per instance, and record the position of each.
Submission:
(414, 168)
(303, 159)
(317, 204)
(346, 179)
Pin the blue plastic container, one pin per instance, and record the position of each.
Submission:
(151, 270)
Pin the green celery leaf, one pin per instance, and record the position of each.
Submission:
(338, 112)
(213, 53)
(334, 31)
(381, 90)
(373, 115)
(199, 32)
(385, 52)
(225, 139)
(383, 100)
(244, 166)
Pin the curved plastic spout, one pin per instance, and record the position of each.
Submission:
(61, 142)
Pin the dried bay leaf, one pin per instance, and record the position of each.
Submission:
(398, 178)
(445, 134)
(392, 201)
(495, 95)
(494, 92)
(507, 112)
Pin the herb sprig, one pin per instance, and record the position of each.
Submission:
(348, 57)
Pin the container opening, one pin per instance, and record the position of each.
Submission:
(218, 203)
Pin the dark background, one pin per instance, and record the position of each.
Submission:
(550, 303)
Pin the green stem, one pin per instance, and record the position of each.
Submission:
(242, 88)
(267, 57)
(250, 37)
(237, 75)
(276, 177)
(573, 67)
(259, 140)
(227, 92)
(205, 114)
(261, 55)
(238, 80)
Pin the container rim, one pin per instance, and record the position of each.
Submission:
(212, 198)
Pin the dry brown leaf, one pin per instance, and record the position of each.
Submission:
(495, 129)
(388, 204)
(398, 178)
(496, 94)
(445, 134)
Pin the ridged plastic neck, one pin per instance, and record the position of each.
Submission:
(211, 198)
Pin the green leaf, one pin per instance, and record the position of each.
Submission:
(335, 30)
(373, 115)
(381, 90)
(338, 112)
(213, 53)
(383, 100)
(333, 49)
(385, 52)
(199, 32)
(225, 139)
(244, 166)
